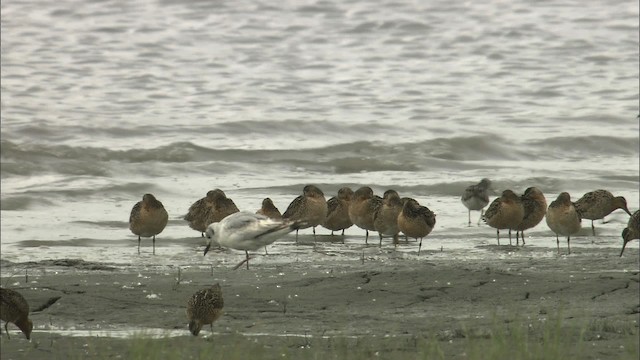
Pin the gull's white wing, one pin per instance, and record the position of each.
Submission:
(249, 231)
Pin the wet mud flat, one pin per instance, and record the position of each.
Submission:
(385, 304)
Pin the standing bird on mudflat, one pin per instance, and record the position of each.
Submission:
(632, 231)
(15, 309)
(248, 231)
(535, 206)
(269, 210)
(597, 204)
(310, 208)
(204, 307)
(214, 207)
(362, 209)
(148, 218)
(476, 197)
(385, 219)
(505, 212)
(416, 221)
(563, 218)
(338, 211)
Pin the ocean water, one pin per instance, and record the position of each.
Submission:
(103, 101)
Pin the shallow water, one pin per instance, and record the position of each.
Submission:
(105, 101)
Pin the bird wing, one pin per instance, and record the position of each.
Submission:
(292, 209)
(135, 210)
(332, 204)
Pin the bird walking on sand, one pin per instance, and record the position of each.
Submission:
(476, 197)
(535, 206)
(632, 231)
(416, 221)
(385, 219)
(310, 208)
(362, 209)
(15, 309)
(204, 307)
(247, 231)
(505, 212)
(211, 208)
(597, 204)
(563, 218)
(338, 211)
(148, 218)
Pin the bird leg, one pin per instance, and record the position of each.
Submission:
(509, 237)
(138, 245)
(558, 243)
(593, 229)
(366, 237)
(481, 215)
(419, 246)
(469, 218)
(498, 235)
(380, 245)
(154, 244)
(568, 245)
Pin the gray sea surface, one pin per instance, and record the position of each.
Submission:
(103, 101)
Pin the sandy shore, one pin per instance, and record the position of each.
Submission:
(383, 296)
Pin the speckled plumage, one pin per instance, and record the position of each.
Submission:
(505, 212)
(338, 211)
(563, 218)
(597, 204)
(385, 219)
(632, 231)
(362, 209)
(214, 207)
(14, 308)
(535, 207)
(148, 218)
(204, 307)
(310, 207)
(416, 221)
(476, 197)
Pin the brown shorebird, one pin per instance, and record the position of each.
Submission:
(416, 221)
(505, 212)
(563, 218)
(338, 211)
(362, 208)
(632, 231)
(148, 218)
(269, 210)
(211, 208)
(597, 204)
(204, 307)
(15, 309)
(535, 206)
(476, 197)
(310, 207)
(385, 219)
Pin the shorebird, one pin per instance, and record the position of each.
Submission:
(269, 210)
(632, 231)
(310, 207)
(416, 221)
(476, 197)
(362, 208)
(385, 219)
(535, 206)
(338, 211)
(505, 212)
(148, 218)
(15, 309)
(247, 231)
(211, 208)
(204, 307)
(563, 218)
(597, 204)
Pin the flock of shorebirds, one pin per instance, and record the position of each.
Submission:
(219, 219)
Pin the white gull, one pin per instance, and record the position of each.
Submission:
(248, 231)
